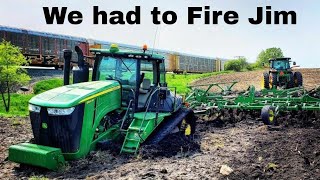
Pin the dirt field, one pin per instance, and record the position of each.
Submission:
(311, 79)
(251, 149)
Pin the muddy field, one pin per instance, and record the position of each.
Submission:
(311, 79)
(251, 149)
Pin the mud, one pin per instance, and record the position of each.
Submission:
(251, 149)
(245, 79)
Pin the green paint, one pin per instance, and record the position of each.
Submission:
(37, 155)
(282, 99)
(107, 52)
(44, 125)
(71, 95)
(140, 129)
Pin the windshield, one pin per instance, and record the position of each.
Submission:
(280, 65)
(125, 71)
(121, 69)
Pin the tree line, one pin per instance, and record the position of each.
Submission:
(241, 63)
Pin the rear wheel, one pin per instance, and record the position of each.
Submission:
(268, 115)
(266, 82)
(273, 80)
(290, 83)
(298, 80)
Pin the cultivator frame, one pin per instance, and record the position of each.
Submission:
(205, 102)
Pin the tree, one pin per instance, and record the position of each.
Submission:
(267, 54)
(236, 64)
(11, 75)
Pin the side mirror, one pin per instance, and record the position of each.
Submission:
(294, 63)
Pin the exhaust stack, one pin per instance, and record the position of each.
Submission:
(67, 54)
(80, 74)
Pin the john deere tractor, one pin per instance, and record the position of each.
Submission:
(281, 75)
(127, 100)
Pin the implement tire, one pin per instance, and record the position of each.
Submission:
(268, 115)
(266, 81)
(298, 79)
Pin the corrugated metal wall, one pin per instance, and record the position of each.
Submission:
(196, 64)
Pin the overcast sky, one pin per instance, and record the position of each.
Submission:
(301, 41)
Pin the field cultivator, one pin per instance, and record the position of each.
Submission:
(271, 104)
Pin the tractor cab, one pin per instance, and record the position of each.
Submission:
(141, 76)
(280, 64)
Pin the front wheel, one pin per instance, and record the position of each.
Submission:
(268, 115)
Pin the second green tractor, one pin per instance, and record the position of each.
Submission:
(282, 75)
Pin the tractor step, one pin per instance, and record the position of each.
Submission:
(36, 155)
(136, 128)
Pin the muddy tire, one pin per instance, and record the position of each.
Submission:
(191, 120)
(298, 80)
(266, 80)
(273, 80)
(268, 115)
(290, 83)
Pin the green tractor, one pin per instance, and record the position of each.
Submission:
(281, 75)
(127, 100)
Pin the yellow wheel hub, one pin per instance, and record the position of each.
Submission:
(187, 128)
(271, 116)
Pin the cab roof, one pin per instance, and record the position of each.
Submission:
(280, 59)
(127, 54)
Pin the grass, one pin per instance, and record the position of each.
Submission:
(181, 81)
(46, 85)
(19, 106)
(19, 102)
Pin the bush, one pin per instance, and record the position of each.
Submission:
(236, 65)
(251, 67)
(46, 85)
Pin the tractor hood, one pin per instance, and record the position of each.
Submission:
(72, 95)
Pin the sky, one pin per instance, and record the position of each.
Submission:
(301, 42)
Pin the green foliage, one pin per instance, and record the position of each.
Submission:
(267, 54)
(38, 178)
(11, 59)
(11, 75)
(236, 64)
(181, 81)
(19, 106)
(253, 66)
(46, 85)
